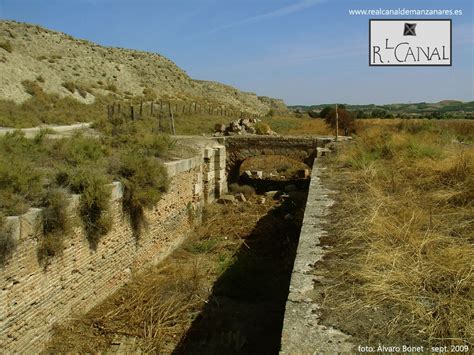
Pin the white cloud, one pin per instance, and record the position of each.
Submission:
(282, 11)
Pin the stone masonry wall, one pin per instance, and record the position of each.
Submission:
(301, 148)
(32, 298)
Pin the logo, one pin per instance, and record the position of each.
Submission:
(410, 43)
(409, 29)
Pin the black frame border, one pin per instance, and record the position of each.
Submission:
(415, 65)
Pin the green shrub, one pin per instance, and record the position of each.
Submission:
(415, 127)
(270, 113)
(80, 150)
(32, 88)
(262, 128)
(362, 159)
(149, 94)
(7, 46)
(421, 150)
(82, 92)
(20, 183)
(145, 180)
(70, 86)
(7, 243)
(56, 225)
(94, 207)
(112, 87)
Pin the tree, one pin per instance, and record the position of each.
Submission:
(345, 119)
(325, 112)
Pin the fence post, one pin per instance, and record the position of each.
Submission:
(172, 124)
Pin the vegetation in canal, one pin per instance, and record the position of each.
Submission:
(223, 291)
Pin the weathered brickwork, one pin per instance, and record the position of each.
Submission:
(32, 298)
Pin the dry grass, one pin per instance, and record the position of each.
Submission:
(297, 126)
(401, 269)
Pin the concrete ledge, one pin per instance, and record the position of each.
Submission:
(117, 191)
(179, 166)
(302, 332)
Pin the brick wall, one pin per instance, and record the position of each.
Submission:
(32, 298)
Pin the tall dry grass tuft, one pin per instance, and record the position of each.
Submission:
(405, 228)
(156, 306)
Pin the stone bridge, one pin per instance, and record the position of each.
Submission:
(240, 148)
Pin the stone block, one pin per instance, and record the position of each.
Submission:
(209, 176)
(210, 164)
(197, 189)
(74, 201)
(117, 191)
(220, 162)
(221, 186)
(31, 222)
(220, 174)
(220, 151)
(209, 153)
(320, 152)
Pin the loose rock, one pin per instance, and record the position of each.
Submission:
(225, 199)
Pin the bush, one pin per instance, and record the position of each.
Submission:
(56, 225)
(145, 180)
(270, 113)
(149, 94)
(7, 46)
(80, 150)
(94, 204)
(415, 127)
(70, 86)
(313, 114)
(345, 120)
(325, 112)
(7, 243)
(112, 87)
(417, 149)
(32, 88)
(20, 183)
(262, 128)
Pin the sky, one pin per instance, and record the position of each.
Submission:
(303, 51)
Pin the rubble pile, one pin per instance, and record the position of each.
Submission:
(243, 126)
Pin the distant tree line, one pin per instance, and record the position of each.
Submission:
(381, 113)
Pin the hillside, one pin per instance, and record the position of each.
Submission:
(54, 60)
